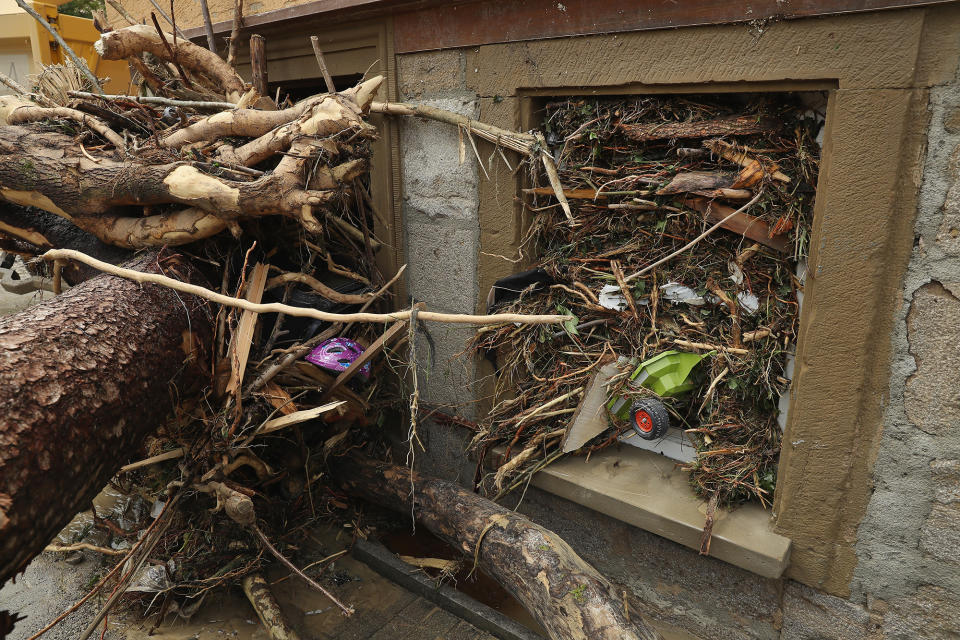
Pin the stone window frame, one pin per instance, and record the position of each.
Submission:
(877, 68)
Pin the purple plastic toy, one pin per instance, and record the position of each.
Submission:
(336, 354)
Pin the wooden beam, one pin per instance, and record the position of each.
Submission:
(420, 25)
(744, 224)
(258, 63)
(243, 338)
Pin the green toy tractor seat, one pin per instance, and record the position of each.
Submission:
(667, 375)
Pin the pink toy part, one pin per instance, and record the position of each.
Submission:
(336, 354)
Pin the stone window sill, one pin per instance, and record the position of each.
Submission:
(647, 491)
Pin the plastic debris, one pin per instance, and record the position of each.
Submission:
(681, 294)
(748, 302)
(337, 354)
(611, 298)
(151, 579)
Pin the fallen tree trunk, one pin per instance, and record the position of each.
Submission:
(83, 378)
(567, 596)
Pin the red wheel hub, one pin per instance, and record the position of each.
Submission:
(644, 421)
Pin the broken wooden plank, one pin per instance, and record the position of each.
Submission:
(442, 564)
(742, 223)
(590, 418)
(325, 380)
(161, 457)
(297, 417)
(243, 338)
(278, 398)
(726, 194)
(717, 127)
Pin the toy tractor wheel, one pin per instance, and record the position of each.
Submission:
(650, 418)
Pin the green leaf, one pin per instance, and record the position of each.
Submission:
(570, 326)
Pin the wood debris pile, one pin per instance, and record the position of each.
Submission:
(646, 179)
(239, 200)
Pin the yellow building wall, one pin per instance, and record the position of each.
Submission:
(25, 45)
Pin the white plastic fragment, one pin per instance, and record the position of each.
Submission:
(748, 302)
(736, 273)
(151, 579)
(612, 298)
(678, 293)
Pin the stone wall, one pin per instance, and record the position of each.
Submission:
(907, 580)
(908, 545)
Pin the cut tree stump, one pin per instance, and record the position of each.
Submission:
(83, 378)
(567, 596)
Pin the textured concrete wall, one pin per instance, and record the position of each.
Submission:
(442, 237)
(908, 545)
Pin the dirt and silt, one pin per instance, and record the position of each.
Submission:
(733, 295)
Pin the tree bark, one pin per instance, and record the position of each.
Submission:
(83, 378)
(39, 230)
(716, 128)
(567, 596)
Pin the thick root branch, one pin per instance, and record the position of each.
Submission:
(131, 42)
(17, 111)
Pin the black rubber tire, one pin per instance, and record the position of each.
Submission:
(654, 416)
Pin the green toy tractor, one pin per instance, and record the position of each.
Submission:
(668, 375)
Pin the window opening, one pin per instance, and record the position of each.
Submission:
(681, 333)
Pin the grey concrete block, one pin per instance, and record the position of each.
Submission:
(443, 266)
(446, 371)
(436, 184)
(445, 456)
